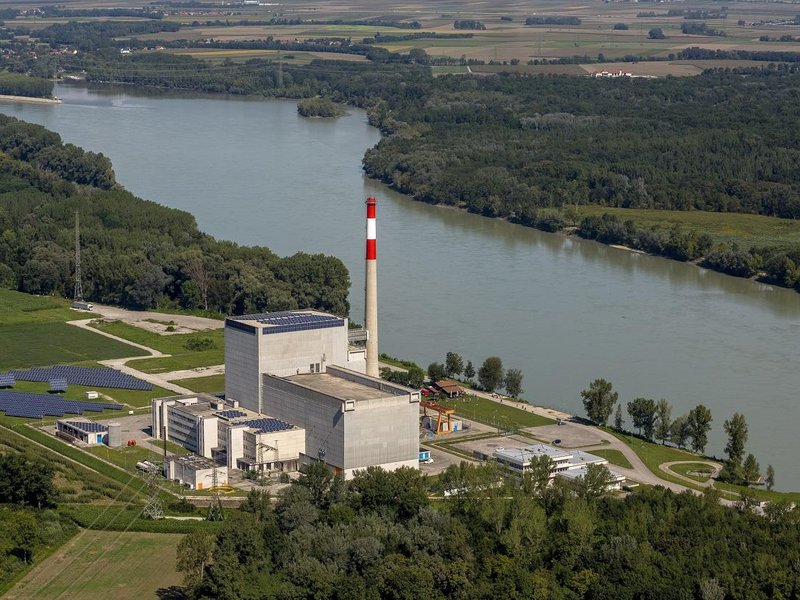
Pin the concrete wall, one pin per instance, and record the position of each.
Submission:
(290, 353)
(318, 414)
(208, 435)
(242, 367)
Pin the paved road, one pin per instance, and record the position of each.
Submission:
(666, 467)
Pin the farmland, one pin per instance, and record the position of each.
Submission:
(133, 565)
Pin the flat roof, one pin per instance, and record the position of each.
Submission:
(579, 472)
(339, 387)
(288, 320)
(586, 458)
(195, 462)
(526, 454)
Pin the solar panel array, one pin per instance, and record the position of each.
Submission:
(88, 426)
(7, 380)
(37, 406)
(58, 385)
(282, 322)
(88, 376)
(231, 414)
(267, 425)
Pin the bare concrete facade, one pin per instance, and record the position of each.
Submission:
(351, 421)
(282, 344)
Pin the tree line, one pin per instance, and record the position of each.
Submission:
(653, 421)
(134, 253)
(380, 536)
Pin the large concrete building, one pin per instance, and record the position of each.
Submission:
(282, 344)
(351, 421)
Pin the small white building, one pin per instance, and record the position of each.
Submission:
(83, 430)
(579, 472)
(519, 459)
(197, 472)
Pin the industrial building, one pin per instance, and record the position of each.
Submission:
(282, 344)
(233, 436)
(89, 432)
(195, 472)
(352, 421)
(300, 386)
(570, 464)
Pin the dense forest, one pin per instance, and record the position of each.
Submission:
(380, 536)
(135, 253)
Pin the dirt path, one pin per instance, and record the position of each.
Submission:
(666, 467)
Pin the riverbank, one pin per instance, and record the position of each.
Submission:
(29, 99)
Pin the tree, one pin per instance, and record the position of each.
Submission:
(436, 371)
(490, 375)
(513, 383)
(643, 414)
(25, 535)
(469, 370)
(663, 420)
(537, 478)
(454, 364)
(699, 421)
(656, 34)
(751, 470)
(599, 400)
(194, 555)
(736, 428)
(679, 431)
(618, 420)
(594, 483)
(24, 482)
(769, 479)
(318, 479)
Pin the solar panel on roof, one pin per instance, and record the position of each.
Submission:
(231, 414)
(88, 426)
(268, 425)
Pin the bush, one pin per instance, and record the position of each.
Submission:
(199, 344)
(620, 27)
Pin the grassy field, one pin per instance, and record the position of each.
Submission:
(491, 413)
(211, 384)
(746, 230)
(614, 457)
(17, 308)
(692, 470)
(101, 563)
(45, 344)
(175, 345)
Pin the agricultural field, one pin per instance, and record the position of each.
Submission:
(125, 565)
(746, 230)
(502, 416)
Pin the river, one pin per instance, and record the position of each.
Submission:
(564, 311)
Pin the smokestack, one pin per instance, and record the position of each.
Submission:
(371, 292)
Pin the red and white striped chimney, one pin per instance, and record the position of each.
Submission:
(371, 291)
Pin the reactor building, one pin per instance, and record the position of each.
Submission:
(299, 387)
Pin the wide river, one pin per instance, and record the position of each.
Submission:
(564, 311)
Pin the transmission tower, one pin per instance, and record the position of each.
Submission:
(153, 509)
(78, 287)
(215, 508)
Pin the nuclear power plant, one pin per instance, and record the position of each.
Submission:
(300, 386)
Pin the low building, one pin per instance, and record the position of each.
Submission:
(519, 460)
(351, 421)
(449, 388)
(578, 473)
(231, 435)
(196, 472)
(82, 430)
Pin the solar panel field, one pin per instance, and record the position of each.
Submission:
(98, 563)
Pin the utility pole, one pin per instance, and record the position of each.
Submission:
(78, 286)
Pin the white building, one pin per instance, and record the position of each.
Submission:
(196, 472)
(236, 437)
(84, 430)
